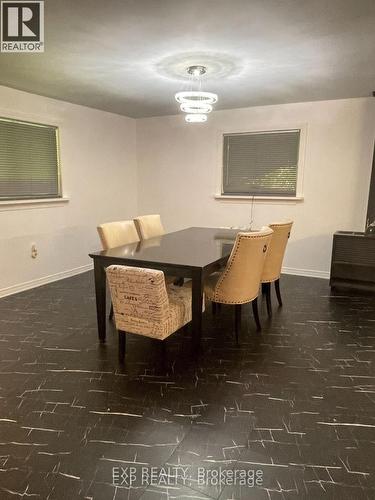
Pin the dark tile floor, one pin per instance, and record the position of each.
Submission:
(287, 414)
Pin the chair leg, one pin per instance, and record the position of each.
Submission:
(111, 312)
(256, 314)
(121, 346)
(213, 306)
(278, 294)
(264, 288)
(237, 320)
(268, 298)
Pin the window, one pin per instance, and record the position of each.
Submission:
(261, 163)
(29, 160)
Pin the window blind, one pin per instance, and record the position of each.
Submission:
(261, 164)
(29, 160)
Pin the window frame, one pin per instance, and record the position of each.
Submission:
(41, 202)
(219, 195)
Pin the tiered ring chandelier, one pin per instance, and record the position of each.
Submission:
(196, 103)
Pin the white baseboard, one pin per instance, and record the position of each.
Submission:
(27, 285)
(4, 292)
(310, 273)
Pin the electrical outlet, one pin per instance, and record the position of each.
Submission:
(34, 251)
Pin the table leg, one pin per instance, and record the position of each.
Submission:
(197, 299)
(100, 293)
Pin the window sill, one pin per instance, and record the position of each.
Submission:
(30, 204)
(259, 199)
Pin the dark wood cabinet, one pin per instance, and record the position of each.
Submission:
(353, 261)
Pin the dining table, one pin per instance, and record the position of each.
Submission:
(192, 253)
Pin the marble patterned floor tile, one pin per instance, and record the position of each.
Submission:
(295, 403)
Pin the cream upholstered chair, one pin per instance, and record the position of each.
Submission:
(144, 305)
(149, 226)
(240, 281)
(115, 234)
(274, 261)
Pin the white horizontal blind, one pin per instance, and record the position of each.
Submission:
(261, 164)
(29, 160)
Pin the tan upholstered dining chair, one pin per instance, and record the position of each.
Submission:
(239, 282)
(144, 305)
(149, 226)
(115, 234)
(274, 261)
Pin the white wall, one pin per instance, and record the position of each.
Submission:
(98, 156)
(179, 163)
(177, 176)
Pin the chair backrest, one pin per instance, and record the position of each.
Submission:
(239, 282)
(276, 251)
(149, 226)
(139, 298)
(115, 234)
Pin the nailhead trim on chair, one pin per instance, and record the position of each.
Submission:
(215, 296)
(278, 224)
(236, 302)
(271, 281)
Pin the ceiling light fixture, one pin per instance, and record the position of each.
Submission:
(196, 118)
(196, 102)
(196, 108)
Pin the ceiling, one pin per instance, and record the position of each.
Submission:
(129, 56)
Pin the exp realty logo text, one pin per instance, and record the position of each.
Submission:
(131, 477)
(22, 26)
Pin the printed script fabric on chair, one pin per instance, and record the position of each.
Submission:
(116, 234)
(144, 305)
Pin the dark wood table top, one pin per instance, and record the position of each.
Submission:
(194, 247)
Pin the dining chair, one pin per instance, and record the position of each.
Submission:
(144, 305)
(149, 226)
(274, 260)
(239, 282)
(115, 234)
